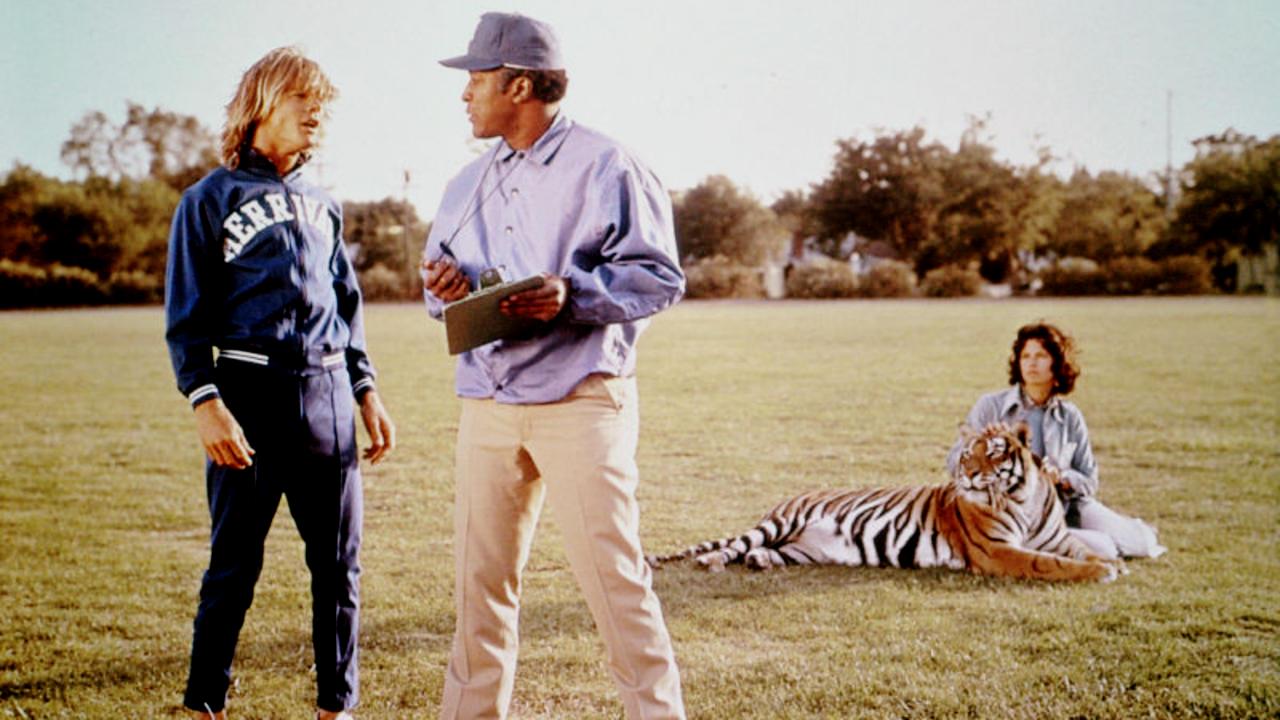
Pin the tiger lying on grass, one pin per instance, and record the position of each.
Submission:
(1000, 515)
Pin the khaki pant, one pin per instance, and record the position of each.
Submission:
(579, 453)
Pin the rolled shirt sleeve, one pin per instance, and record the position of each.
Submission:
(1075, 457)
(637, 274)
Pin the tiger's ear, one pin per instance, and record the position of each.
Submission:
(1023, 432)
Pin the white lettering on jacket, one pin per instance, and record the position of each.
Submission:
(253, 216)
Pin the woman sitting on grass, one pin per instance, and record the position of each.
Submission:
(1042, 372)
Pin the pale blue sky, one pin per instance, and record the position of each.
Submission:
(755, 90)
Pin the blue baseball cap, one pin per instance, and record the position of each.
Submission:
(510, 40)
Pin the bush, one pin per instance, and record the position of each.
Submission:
(889, 279)
(380, 282)
(134, 287)
(19, 283)
(23, 285)
(822, 278)
(951, 281)
(1073, 276)
(720, 277)
(1132, 276)
(1181, 275)
(72, 286)
(1185, 275)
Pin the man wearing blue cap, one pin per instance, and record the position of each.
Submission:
(551, 413)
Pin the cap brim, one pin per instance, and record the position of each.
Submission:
(470, 62)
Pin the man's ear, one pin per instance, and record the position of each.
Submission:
(521, 89)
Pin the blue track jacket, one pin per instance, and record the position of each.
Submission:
(257, 267)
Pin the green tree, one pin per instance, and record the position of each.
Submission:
(935, 207)
(716, 218)
(889, 189)
(976, 218)
(143, 234)
(795, 211)
(21, 193)
(1230, 201)
(1108, 216)
(386, 238)
(384, 232)
(105, 226)
(76, 229)
(1036, 205)
(169, 147)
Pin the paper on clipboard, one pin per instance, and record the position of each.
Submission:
(476, 320)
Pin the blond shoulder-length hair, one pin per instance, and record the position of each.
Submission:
(279, 72)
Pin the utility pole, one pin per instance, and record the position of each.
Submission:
(410, 265)
(1168, 154)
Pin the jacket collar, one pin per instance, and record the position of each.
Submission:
(544, 148)
(255, 162)
(1014, 401)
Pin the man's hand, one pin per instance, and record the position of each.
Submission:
(445, 280)
(382, 432)
(222, 436)
(542, 303)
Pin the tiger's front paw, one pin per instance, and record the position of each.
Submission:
(1111, 572)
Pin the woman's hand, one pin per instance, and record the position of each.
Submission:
(1050, 471)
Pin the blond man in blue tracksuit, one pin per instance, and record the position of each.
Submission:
(265, 332)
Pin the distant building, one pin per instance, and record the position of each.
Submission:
(867, 254)
(1259, 273)
(861, 253)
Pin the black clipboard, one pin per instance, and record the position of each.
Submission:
(476, 320)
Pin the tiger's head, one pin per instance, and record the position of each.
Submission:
(996, 466)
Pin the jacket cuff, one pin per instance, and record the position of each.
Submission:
(202, 394)
(362, 386)
(1077, 484)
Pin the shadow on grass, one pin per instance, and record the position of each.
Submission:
(684, 585)
(92, 675)
(688, 591)
(167, 672)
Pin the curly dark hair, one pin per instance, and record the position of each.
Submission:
(548, 85)
(1058, 344)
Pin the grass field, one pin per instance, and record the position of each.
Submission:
(103, 524)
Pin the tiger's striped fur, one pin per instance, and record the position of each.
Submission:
(1000, 515)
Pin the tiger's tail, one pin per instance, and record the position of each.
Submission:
(692, 551)
(772, 531)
